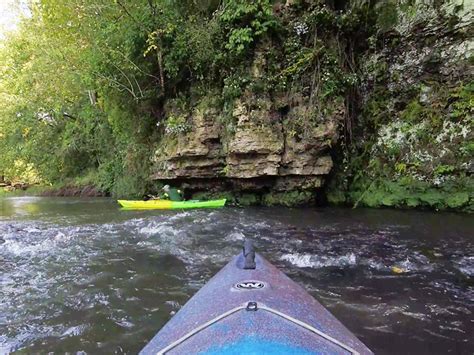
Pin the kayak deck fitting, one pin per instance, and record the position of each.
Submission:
(250, 307)
(170, 205)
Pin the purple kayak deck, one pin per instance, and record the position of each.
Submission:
(287, 318)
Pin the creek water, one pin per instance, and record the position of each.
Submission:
(82, 275)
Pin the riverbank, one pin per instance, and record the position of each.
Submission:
(59, 191)
(74, 191)
(30, 190)
(376, 195)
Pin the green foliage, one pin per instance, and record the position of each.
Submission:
(458, 200)
(463, 102)
(468, 148)
(239, 40)
(444, 170)
(387, 15)
(410, 194)
(87, 86)
(304, 59)
(234, 86)
(176, 125)
(76, 94)
(413, 112)
(400, 168)
(245, 22)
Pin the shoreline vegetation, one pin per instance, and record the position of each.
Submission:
(428, 200)
(269, 102)
(58, 191)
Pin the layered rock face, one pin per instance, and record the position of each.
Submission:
(259, 154)
(195, 155)
(263, 149)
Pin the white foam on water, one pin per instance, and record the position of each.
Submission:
(300, 260)
(179, 215)
(19, 248)
(174, 304)
(376, 265)
(124, 323)
(154, 228)
(5, 349)
(235, 236)
(465, 265)
(317, 261)
(32, 230)
(30, 245)
(414, 263)
(416, 315)
(74, 331)
(149, 245)
(381, 329)
(438, 310)
(130, 222)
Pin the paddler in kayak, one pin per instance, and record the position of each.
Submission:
(172, 194)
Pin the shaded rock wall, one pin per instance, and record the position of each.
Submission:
(415, 129)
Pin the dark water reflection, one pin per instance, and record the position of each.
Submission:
(82, 275)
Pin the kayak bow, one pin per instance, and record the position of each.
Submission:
(170, 205)
(252, 307)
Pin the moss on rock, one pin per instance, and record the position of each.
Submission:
(288, 199)
(249, 199)
(411, 144)
(213, 195)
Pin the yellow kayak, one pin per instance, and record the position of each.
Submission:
(170, 205)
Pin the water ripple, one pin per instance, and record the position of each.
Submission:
(101, 278)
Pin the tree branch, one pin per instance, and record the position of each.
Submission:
(131, 16)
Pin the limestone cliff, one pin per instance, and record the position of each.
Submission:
(259, 153)
(388, 101)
